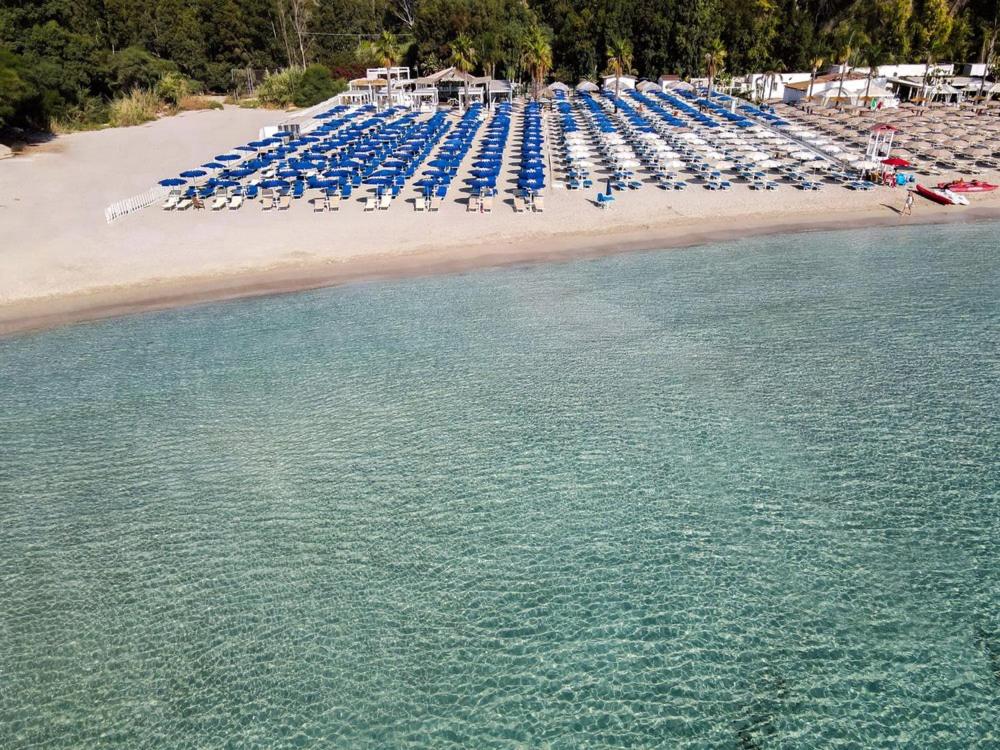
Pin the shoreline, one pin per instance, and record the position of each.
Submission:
(43, 313)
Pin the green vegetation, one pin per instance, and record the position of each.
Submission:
(68, 61)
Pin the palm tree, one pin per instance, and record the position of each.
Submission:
(619, 61)
(463, 58)
(537, 56)
(715, 58)
(817, 63)
(767, 81)
(846, 52)
(386, 51)
(873, 58)
(489, 54)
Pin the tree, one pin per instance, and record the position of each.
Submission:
(715, 58)
(463, 58)
(386, 51)
(315, 86)
(767, 82)
(619, 61)
(933, 31)
(537, 57)
(294, 16)
(873, 56)
(816, 63)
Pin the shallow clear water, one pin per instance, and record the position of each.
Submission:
(742, 496)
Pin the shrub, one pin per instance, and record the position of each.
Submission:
(90, 113)
(134, 67)
(173, 87)
(315, 86)
(279, 89)
(193, 103)
(138, 107)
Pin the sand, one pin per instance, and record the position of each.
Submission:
(60, 262)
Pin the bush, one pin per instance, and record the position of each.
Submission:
(174, 87)
(279, 89)
(195, 103)
(315, 86)
(91, 113)
(134, 68)
(138, 107)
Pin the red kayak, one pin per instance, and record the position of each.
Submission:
(943, 196)
(961, 186)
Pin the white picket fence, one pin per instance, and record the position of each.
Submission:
(135, 203)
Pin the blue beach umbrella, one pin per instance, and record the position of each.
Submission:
(213, 165)
(194, 173)
(274, 184)
(173, 182)
(228, 157)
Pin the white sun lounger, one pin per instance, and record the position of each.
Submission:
(539, 203)
(171, 202)
(219, 202)
(371, 204)
(487, 204)
(333, 202)
(284, 202)
(385, 202)
(235, 202)
(183, 204)
(420, 203)
(519, 206)
(435, 203)
(320, 203)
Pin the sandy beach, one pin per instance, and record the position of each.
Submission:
(61, 262)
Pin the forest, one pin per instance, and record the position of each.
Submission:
(65, 62)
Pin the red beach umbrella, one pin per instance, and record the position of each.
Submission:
(897, 162)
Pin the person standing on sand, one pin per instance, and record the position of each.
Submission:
(907, 205)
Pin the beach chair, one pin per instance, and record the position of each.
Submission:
(371, 203)
(472, 204)
(604, 200)
(220, 202)
(172, 200)
(539, 203)
(333, 201)
(235, 201)
(487, 204)
(385, 201)
(320, 204)
(435, 203)
(420, 203)
(519, 204)
(198, 203)
(184, 203)
(283, 202)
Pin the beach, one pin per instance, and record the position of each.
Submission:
(61, 262)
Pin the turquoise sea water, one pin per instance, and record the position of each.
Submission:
(742, 496)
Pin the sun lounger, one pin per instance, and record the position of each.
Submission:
(472, 204)
(284, 202)
(385, 202)
(539, 203)
(235, 202)
(371, 203)
(320, 204)
(220, 202)
(333, 201)
(420, 203)
(435, 203)
(183, 204)
(519, 205)
(604, 200)
(171, 202)
(487, 203)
